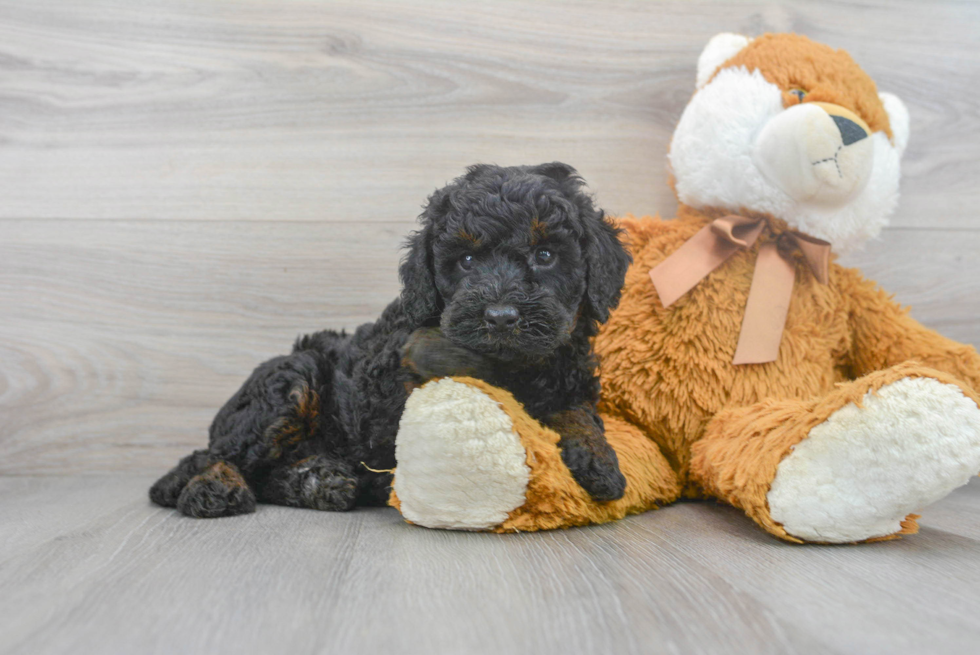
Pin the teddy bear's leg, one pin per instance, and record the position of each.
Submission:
(849, 466)
(470, 458)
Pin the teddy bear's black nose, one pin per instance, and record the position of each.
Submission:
(501, 317)
(850, 131)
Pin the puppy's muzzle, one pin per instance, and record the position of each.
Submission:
(501, 318)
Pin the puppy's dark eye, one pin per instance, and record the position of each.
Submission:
(466, 262)
(544, 257)
(799, 93)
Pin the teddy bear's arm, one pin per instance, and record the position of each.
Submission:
(883, 335)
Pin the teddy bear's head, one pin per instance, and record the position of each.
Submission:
(783, 126)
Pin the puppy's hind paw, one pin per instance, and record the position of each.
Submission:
(219, 491)
(166, 490)
(315, 483)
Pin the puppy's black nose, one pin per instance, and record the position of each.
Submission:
(501, 317)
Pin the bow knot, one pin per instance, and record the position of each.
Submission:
(772, 281)
(786, 244)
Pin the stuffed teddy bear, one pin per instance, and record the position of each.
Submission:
(742, 363)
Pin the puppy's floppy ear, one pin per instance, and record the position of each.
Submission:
(476, 170)
(605, 255)
(557, 171)
(419, 296)
(607, 260)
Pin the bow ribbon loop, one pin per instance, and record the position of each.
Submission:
(816, 252)
(772, 280)
(737, 230)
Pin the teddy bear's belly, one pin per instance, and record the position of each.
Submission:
(670, 370)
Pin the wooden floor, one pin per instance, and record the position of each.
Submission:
(87, 565)
(186, 185)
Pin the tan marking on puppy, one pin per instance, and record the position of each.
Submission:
(539, 231)
(301, 422)
(225, 474)
(463, 235)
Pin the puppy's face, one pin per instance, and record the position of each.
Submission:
(510, 259)
(509, 268)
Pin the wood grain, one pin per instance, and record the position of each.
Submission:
(95, 568)
(121, 339)
(351, 110)
(935, 272)
(188, 185)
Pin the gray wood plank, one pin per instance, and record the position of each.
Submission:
(35, 510)
(188, 185)
(911, 595)
(350, 110)
(935, 272)
(121, 339)
(123, 576)
(958, 514)
(147, 580)
(171, 277)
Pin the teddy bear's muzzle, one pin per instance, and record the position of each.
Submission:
(816, 152)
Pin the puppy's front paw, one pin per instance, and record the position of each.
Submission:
(429, 354)
(598, 475)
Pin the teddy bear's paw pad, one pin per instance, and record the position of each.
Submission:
(864, 469)
(461, 464)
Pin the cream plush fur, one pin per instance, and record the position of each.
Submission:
(460, 463)
(865, 416)
(863, 470)
(718, 161)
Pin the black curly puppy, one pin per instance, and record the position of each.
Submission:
(508, 278)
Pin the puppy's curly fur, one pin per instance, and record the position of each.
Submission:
(507, 279)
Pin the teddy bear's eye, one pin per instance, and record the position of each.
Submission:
(799, 93)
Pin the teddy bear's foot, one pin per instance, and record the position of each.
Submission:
(461, 465)
(470, 458)
(859, 473)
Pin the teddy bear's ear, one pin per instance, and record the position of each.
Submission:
(720, 49)
(898, 118)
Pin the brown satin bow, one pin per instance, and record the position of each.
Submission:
(772, 281)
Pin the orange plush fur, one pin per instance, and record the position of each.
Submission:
(683, 419)
(721, 430)
(828, 75)
(554, 499)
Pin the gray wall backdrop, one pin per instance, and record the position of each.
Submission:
(185, 186)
